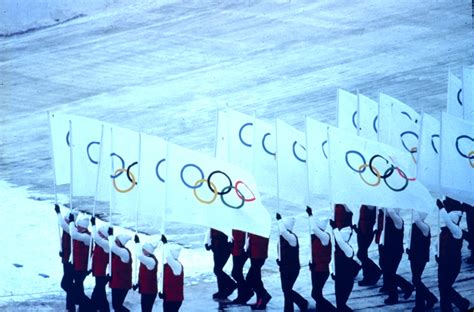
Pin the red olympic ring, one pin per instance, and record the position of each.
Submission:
(239, 194)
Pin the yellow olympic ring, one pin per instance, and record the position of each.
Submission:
(413, 150)
(471, 158)
(214, 189)
(377, 172)
(120, 170)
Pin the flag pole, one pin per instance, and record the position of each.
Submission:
(308, 193)
(51, 151)
(71, 142)
(163, 216)
(137, 206)
(89, 262)
(111, 241)
(332, 267)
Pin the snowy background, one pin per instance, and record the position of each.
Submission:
(166, 68)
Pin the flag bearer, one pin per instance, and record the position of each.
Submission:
(342, 216)
(100, 259)
(239, 257)
(258, 247)
(321, 257)
(173, 278)
(469, 209)
(289, 263)
(121, 281)
(147, 275)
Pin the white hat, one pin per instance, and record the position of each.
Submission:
(149, 247)
(83, 222)
(174, 250)
(289, 223)
(455, 215)
(322, 223)
(104, 229)
(419, 216)
(346, 233)
(123, 238)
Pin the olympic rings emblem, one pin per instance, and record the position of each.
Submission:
(157, 170)
(323, 149)
(433, 144)
(240, 134)
(265, 147)
(375, 124)
(122, 169)
(354, 123)
(294, 151)
(377, 173)
(68, 136)
(226, 190)
(469, 155)
(413, 149)
(459, 96)
(95, 162)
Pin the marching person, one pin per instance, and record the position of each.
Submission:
(346, 267)
(221, 249)
(258, 247)
(342, 216)
(469, 209)
(419, 255)
(100, 260)
(289, 263)
(379, 237)
(365, 234)
(239, 257)
(321, 257)
(449, 261)
(81, 241)
(393, 249)
(67, 281)
(173, 278)
(121, 281)
(147, 275)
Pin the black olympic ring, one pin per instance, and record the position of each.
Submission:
(459, 97)
(263, 144)
(240, 133)
(412, 150)
(200, 171)
(114, 176)
(350, 166)
(387, 172)
(322, 147)
(89, 155)
(375, 123)
(432, 142)
(457, 146)
(128, 172)
(225, 190)
(353, 120)
(294, 151)
(157, 172)
(67, 139)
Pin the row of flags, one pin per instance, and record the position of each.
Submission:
(381, 153)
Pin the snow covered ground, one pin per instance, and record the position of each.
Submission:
(167, 69)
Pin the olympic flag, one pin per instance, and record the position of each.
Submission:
(291, 163)
(210, 192)
(234, 138)
(368, 111)
(427, 169)
(468, 92)
(264, 156)
(372, 173)
(346, 114)
(457, 158)
(455, 107)
(317, 149)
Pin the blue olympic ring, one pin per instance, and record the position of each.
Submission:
(263, 144)
(200, 171)
(157, 172)
(353, 120)
(403, 142)
(408, 115)
(294, 151)
(360, 155)
(432, 142)
(123, 165)
(67, 139)
(375, 123)
(324, 151)
(459, 97)
(457, 146)
(89, 155)
(240, 134)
